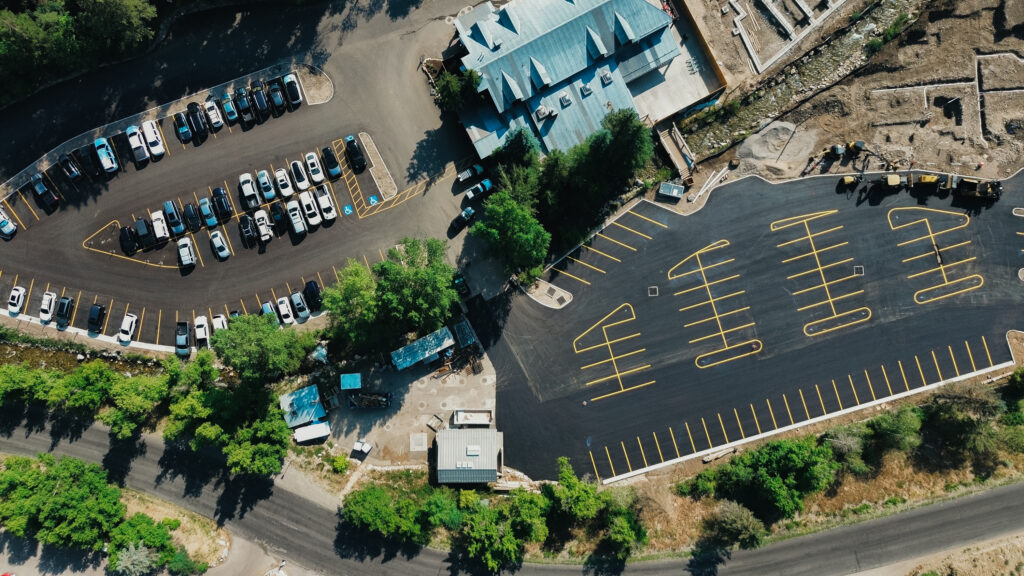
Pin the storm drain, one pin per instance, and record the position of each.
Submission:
(858, 270)
(652, 290)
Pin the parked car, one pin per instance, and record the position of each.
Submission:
(87, 159)
(186, 252)
(266, 185)
(219, 322)
(197, 119)
(276, 96)
(247, 230)
(160, 233)
(182, 345)
(184, 132)
(247, 188)
(267, 309)
(312, 293)
(284, 311)
(222, 205)
(219, 245)
(326, 203)
(279, 216)
(291, 87)
(106, 155)
(137, 144)
(330, 162)
(7, 226)
(174, 221)
(46, 197)
(263, 226)
(459, 282)
(129, 240)
(229, 107)
(295, 217)
(16, 301)
(354, 153)
(65, 308)
(127, 331)
(309, 209)
(202, 332)
(192, 219)
(144, 233)
(259, 99)
(243, 104)
(97, 314)
(206, 211)
(70, 168)
(299, 307)
(47, 307)
(482, 189)
(316, 173)
(463, 219)
(299, 176)
(284, 184)
(470, 173)
(154, 140)
(213, 114)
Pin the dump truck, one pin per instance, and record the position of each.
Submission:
(975, 188)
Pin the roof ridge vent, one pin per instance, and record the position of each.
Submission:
(508, 17)
(595, 46)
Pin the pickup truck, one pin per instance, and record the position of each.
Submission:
(182, 346)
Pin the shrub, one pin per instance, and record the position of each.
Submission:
(731, 524)
(625, 533)
(375, 509)
(576, 499)
(339, 464)
(442, 509)
(874, 46)
(898, 430)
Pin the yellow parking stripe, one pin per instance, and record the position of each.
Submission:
(609, 455)
(788, 411)
(658, 446)
(594, 464)
(971, 356)
(953, 358)
(15, 214)
(886, 376)
(628, 465)
(706, 435)
(110, 312)
(674, 445)
(644, 456)
(159, 317)
(985, 344)
(692, 445)
(738, 423)
(614, 241)
(822, 400)
(804, 402)
(770, 411)
(29, 206)
(641, 216)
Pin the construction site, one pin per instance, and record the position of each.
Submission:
(861, 86)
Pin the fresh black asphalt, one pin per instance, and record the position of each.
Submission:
(778, 374)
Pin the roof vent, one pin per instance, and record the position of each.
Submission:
(606, 77)
(473, 450)
(586, 90)
(564, 99)
(542, 112)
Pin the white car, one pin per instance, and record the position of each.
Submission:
(186, 252)
(213, 113)
(295, 217)
(160, 226)
(137, 144)
(248, 187)
(7, 226)
(299, 175)
(17, 300)
(266, 185)
(263, 226)
(127, 332)
(326, 203)
(309, 208)
(219, 245)
(284, 185)
(154, 140)
(202, 332)
(220, 322)
(47, 306)
(316, 173)
(284, 310)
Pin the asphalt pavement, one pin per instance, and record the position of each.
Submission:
(307, 533)
(773, 305)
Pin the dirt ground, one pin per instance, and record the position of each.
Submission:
(1002, 556)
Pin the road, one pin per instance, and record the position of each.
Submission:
(306, 533)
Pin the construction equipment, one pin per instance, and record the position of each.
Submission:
(851, 181)
(369, 400)
(929, 179)
(838, 150)
(896, 181)
(974, 188)
(856, 147)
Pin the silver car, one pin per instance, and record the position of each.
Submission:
(316, 173)
(47, 307)
(186, 252)
(127, 332)
(295, 217)
(219, 245)
(266, 185)
(300, 307)
(137, 143)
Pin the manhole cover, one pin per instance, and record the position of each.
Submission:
(858, 270)
(652, 290)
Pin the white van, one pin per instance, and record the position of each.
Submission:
(160, 227)
(295, 217)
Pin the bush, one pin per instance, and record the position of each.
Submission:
(731, 524)
(487, 536)
(847, 443)
(625, 533)
(900, 430)
(442, 509)
(576, 499)
(874, 46)
(375, 509)
(340, 464)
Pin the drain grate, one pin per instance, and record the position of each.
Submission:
(652, 290)
(858, 270)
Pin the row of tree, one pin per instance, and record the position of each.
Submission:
(959, 426)
(67, 503)
(494, 529)
(556, 203)
(40, 41)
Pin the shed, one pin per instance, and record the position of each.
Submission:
(302, 406)
(317, 431)
(671, 190)
(425, 349)
(469, 455)
(351, 381)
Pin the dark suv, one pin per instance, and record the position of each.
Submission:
(259, 98)
(65, 308)
(129, 241)
(247, 230)
(312, 293)
(97, 314)
(243, 104)
(197, 118)
(144, 233)
(221, 205)
(355, 154)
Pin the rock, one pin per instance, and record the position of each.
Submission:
(80, 357)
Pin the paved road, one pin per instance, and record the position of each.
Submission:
(307, 533)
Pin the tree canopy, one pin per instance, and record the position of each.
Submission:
(513, 234)
(351, 303)
(414, 286)
(259, 350)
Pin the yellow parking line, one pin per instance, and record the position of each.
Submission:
(28, 295)
(655, 222)
(623, 444)
(822, 400)
(971, 356)
(836, 389)
(198, 251)
(886, 376)
(658, 446)
(110, 312)
(722, 424)
(734, 411)
(756, 423)
(692, 445)
(953, 358)
(823, 267)
(78, 304)
(708, 436)
(788, 411)
(29, 206)
(870, 387)
(594, 464)
(159, 317)
(142, 318)
(904, 375)
(609, 455)
(231, 247)
(234, 209)
(321, 278)
(585, 264)
(274, 294)
(573, 277)
(674, 445)
(804, 402)
(920, 371)
(628, 229)
(642, 455)
(770, 411)
(164, 138)
(852, 387)
(614, 241)
(15, 214)
(937, 369)
(985, 344)
(596, 251)
(242, 302)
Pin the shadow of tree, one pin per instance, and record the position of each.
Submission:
(240, 494)
(354, 543)
(49, 560)
(68, 426)
(118, 459)
(708, 556)
(430, 156)
(196, 469)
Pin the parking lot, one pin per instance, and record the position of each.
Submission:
(774, 305)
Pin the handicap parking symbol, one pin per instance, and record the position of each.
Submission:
(373, 200)
(347, 210)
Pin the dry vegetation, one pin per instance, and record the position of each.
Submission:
(201, 536)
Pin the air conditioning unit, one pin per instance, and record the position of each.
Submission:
(542, 112)
(586, 90)
(606, 77)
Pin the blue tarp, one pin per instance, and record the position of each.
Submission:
(425, 348)
(464, 335)
(302, 406)
(351, 381)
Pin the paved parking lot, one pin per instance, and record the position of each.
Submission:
(774, 305)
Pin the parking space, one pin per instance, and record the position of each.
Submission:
(772, 308)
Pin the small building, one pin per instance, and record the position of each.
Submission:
(425, 350)
(313, 432)
(302, 406)
(469, 455)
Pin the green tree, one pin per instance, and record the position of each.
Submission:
(133, 400)
(732, 523)
(576, 499)
(114, 27)
(899, 430)
(84, 389)
(522, 183)
(521, 148)
(134, 561)
(441, 508)
(847, 443)
(487, 535)
(375, 509)
(414, 287)
(259, 350)
(512, 233)
(352, 304)
(448, 88)
(527, 512)
(182, 565)
(260, 447)
(142, 529)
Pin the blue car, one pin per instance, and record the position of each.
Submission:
(229, 107)
(184, 132)
(206, 209)
(106, 155)
(174, 221)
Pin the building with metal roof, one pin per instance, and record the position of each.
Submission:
(426, 349)
(302, 406)
(558, 66)
(469, 455)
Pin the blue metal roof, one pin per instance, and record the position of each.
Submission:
(351, 381)
(423, 349)
(563, 36)
(302, 406)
